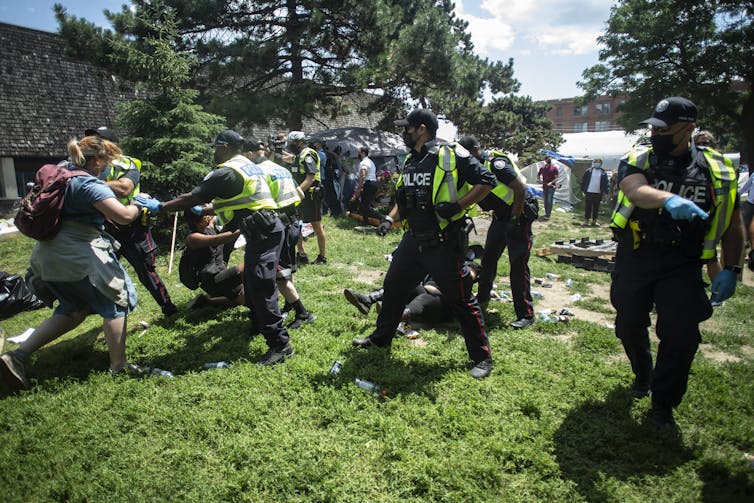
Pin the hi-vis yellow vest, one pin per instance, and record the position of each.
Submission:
(444, 183)
(284, 189)
(724, 183)
(119, 168)
(501, 190)
(256, 194)
(301, 163)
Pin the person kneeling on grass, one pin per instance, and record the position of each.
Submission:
(203, 265)
(78, 266)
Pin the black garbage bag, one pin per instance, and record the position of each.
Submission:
(15, 296)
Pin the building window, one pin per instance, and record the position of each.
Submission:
(559, 126)
(602, 108)
(602, 126)
(581, 111)
(558, 111)
(580, 127)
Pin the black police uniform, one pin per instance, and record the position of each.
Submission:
(504, 232)
(140, 249)
(260, 259)
(664, 271)
(425, 249)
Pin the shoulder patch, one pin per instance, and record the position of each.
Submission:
(460, 150)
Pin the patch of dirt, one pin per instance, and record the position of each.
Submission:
(369, 276)
(418, 342)
(709, 352)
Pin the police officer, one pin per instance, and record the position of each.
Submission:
(136, 241)
(239, 193)
(438, 184)
(288, 196)
(510, 227)
(306, 172)
(676, 203)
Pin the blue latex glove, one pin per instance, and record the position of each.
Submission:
(153, 205)
(723, 286)
(447, 210)
(683, 209)
(197, 210)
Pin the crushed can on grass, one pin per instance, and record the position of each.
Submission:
(335, 369)
(162, 373)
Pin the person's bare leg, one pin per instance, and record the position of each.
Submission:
(52, 328)
(288, 290)
(319, 231)
(115, 337)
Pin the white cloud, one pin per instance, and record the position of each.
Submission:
(563, 27)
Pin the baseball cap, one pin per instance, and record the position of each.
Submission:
(253, 144)
(296, 136)
(469, 142)
(418, 117)
(672, 110)
(103, 132)
(228, 138)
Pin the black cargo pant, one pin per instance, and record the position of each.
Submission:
(409, 265)
(646, 278)
(138, 247)
(260, 286)
(366, 210)
(517, 237)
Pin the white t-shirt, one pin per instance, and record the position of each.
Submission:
(366, 163)
(594, 181)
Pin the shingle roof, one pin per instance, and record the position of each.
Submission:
(47, 97)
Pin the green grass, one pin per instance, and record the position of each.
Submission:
(554, 422)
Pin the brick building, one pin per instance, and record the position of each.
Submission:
(599, 115)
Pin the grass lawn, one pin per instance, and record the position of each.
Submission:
(554, 422)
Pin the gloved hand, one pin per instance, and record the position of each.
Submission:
(153, 205)
(683, 209)
(385, 226)
(723, 286)
(197, 210)
(447, 210)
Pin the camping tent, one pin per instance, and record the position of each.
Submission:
(383, 146)
(609, 146)
(568, 185)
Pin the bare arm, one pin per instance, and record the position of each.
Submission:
(182, 202)
(308, 181)
(198, 240)
(641, 194)
(122, 186)
(116, 211)
(519, 194)
(733, 240)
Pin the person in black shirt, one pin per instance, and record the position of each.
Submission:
(437, 185)
(676, 203)
(204, 251)
(240, 195)
(510, 228)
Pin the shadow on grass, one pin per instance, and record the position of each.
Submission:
(600, 440)
(720, 485)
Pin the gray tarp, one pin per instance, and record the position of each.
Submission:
(380, 143)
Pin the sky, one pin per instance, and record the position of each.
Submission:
(551, 41)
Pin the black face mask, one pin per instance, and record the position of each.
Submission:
(408, 139)
(662, 145)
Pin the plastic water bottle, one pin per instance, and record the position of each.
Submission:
(569, 283)
(216, 365)
(544, 315)
(552, 276)
(371, 387)
(535, 294)
(162, 373)
(335, 369)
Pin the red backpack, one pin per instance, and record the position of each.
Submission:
(39, 216)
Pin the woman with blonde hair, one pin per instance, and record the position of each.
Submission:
(78, 267)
